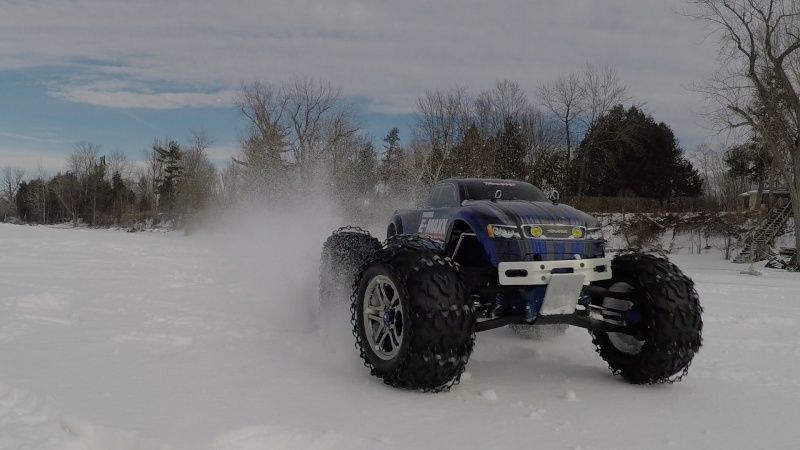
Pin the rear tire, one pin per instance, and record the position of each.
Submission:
(661, 346)
(431, 345)
(342, 256)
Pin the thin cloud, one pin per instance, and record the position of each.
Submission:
(385, 52)
(31, 138)
(144, 100)
(34, 161)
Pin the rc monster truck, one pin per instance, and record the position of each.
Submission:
(489, 253)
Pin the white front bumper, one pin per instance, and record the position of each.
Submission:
(533, 273)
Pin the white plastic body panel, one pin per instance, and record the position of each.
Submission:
(562, 294)
(537, 273)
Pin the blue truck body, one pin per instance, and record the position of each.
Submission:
(460, 211)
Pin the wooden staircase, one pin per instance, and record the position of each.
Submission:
(757, 243)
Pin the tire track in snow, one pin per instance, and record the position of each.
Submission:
(26, 420)
(31, 422)
(44, 307)
(291, 438)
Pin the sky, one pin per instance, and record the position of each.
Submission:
(120, 73)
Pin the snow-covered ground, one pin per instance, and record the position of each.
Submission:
(118, 341)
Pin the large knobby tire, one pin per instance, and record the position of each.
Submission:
(423, 309)
(539, 332)
(343, 254)
(668, 335)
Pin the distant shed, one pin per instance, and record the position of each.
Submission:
(751, 200)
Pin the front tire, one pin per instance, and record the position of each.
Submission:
(663, 343)
(412, 320)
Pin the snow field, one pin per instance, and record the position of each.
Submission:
(112, 340)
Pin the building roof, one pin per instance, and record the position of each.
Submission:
(779, 191)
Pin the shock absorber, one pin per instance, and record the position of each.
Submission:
(500, 305)
(532, 300)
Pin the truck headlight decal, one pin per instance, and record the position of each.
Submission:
(503, 231)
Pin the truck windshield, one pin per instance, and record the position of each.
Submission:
(509, 190)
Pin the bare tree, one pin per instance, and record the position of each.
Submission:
(147, 178)
(318, 119)
(84, 156)
(12, 177)
(563, 98)
(507, 101)
(39, 194)
(546, 156)
(265, 146)
(199, 180)
(230, 183)
(718, 183)
(600, 90)
(118, 163)
(418, 165)
(539, 134)
(292, 128)
(757, 88)
(84, 162)
(442, 119)
(578, 100)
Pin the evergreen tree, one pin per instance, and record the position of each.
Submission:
(118, 196)
(22, 202)
(66, 191)
(393, 165)
(391, 142)
(169, 155)
(686, 181)
(36, 200)
(365, 170)
(750, 161)
(509, 156)
(628, 153)
(469, 157)
(99, 192)
(549, 170)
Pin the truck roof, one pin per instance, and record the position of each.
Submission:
(489, 188)
(480, 182)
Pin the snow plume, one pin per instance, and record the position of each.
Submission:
(273, 252)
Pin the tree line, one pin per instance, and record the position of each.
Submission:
(103, 190)
(580, 134)
(303, 135)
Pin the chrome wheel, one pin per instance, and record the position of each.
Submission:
(625, 343)
(383, 317)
